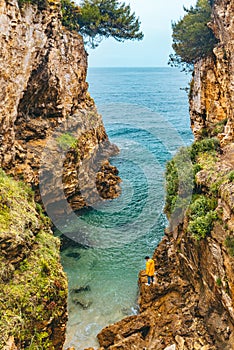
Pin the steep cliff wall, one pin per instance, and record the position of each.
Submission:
(44, 98)
(191, 305)
(212, 90)
(50, 133)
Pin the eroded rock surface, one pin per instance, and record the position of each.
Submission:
(49, 123)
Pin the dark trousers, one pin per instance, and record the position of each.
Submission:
(150, 279)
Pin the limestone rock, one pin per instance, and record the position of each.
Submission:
(212, 89)
(50, 128)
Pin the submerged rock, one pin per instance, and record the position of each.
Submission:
(81, 289)
(74, 255)
(82, 301)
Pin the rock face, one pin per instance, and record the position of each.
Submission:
(46, 111)
(52, 138)
(191, 304)
(212, 88)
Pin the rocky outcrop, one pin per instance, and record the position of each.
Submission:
(212, 87)
(191, 304)
(46, 111)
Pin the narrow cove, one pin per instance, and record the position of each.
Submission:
(145, 113)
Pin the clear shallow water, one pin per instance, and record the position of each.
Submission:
(146, 114)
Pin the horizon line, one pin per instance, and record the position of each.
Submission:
(132, 67)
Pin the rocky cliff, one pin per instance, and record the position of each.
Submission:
(212, 88)
(46, 112)
(191, 305)
(50, 133)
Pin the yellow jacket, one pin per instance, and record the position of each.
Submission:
(150, 267)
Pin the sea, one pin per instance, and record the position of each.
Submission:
(146, 114)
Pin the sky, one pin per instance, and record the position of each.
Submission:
(156, 17)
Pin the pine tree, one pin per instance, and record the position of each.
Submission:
(192, 37)
(98, 19)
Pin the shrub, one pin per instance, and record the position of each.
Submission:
(231, 176)
(201, 206)
(29, 270)
(66, 141)
(201, 226)
(205, 145)
(202, 215)
(179, 182)
(172, 183)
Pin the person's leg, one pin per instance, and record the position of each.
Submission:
(152, 279)
(148, 279)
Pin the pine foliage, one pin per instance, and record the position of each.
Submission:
(192, 37)
(107, 18)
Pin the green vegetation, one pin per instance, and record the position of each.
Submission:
(172, 184)
(201, 214)
(192, 38)
(179, 182)
(231, 176)
(70, 14)
(218, 128)
(219, 282)
(208, 145)
(33, 288)
(181, 171)
(229, 243)
(67, 141)
(182, 191)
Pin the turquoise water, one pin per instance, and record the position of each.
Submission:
(145, 112)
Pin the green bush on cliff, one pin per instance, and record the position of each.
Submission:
(192, 38)
(209, 145)
(179, 182)
(66, 141)
(202, 215)
(172, 183)
(231, 176)
(33, 288)
(181, 171)
(229, 243)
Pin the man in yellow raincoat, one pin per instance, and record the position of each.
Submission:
(150, 269)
